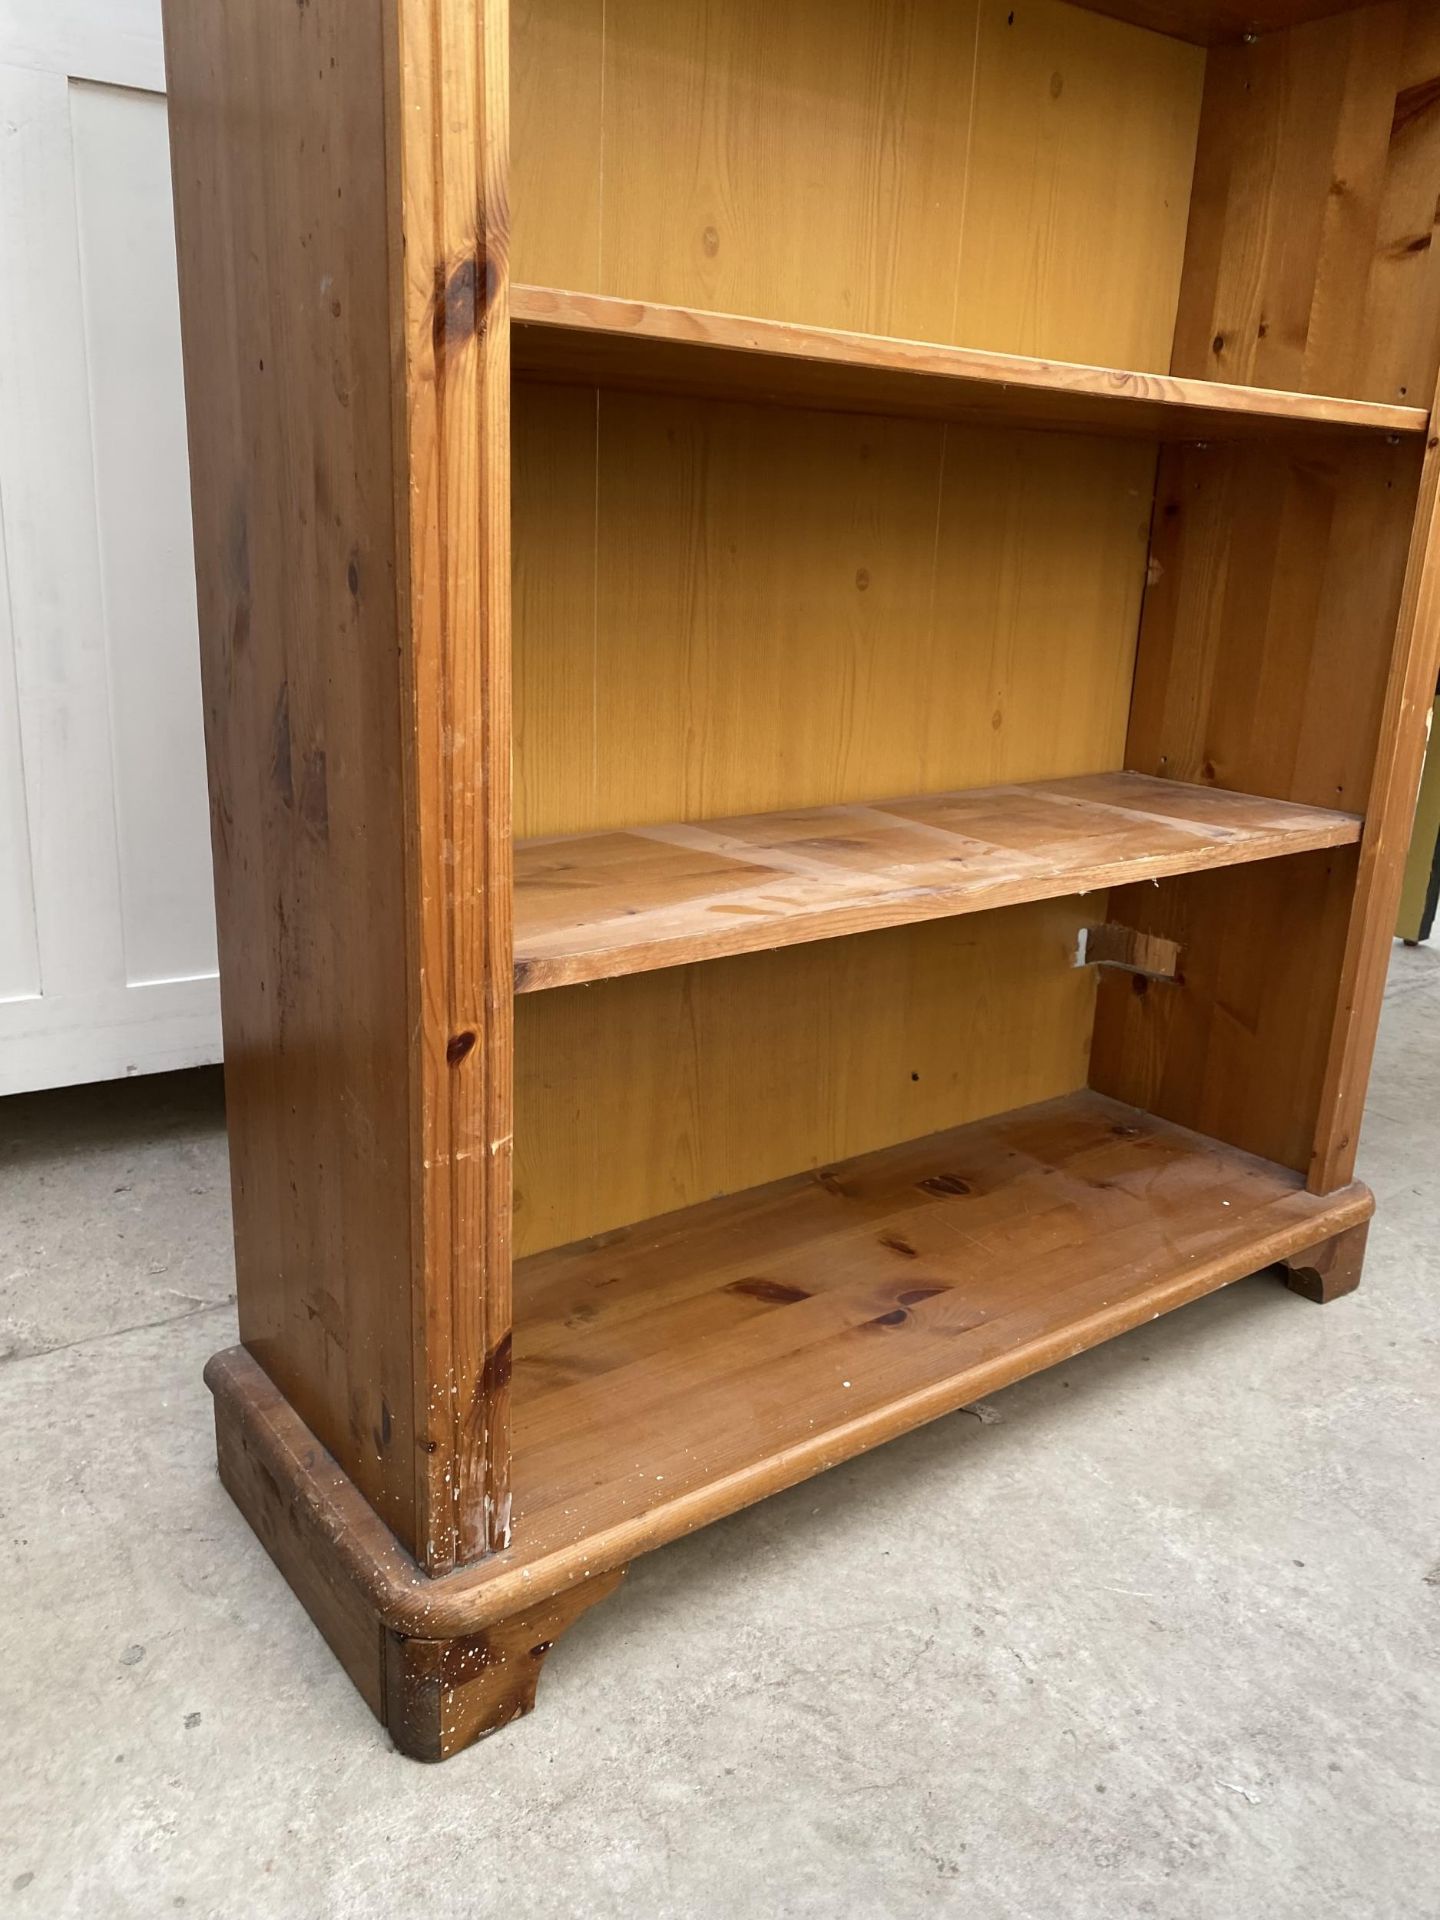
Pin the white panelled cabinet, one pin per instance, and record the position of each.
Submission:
(107, 937)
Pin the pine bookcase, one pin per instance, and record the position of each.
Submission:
(817, 623)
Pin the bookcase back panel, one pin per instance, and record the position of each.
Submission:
(639, 1095)
(723, 609)
(972, 171)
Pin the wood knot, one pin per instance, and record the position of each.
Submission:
(945, 1184)
(775, 1293)
(496, 1372)
(464, 291)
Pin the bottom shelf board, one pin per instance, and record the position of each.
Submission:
(673, 1372)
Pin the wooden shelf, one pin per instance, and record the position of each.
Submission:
(675, 1371)
(736, 1347)
(580, 337)
(594, 905)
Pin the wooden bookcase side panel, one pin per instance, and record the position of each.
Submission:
(969, 173)
(277, 120)
(1390, 818)
(1308, 262)
(1275, 585)
(344, 329)
(1237, 1048)
(1283, 633)
(1265, 656)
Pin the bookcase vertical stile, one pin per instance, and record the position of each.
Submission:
(452, 125)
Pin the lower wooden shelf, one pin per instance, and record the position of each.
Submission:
(671, 1373)
(591, 906)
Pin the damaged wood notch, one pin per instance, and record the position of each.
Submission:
(1148, 954)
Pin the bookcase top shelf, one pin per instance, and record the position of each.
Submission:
(581, 337)
(591, 906)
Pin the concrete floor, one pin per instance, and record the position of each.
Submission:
(1155, 1635)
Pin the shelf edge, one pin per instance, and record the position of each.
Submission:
(554, 311)
(536, 971)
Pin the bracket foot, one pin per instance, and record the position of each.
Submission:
(1330, 1270)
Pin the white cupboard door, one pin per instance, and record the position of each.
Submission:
(107, 932)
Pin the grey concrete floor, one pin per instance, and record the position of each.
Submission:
(1156, 1635)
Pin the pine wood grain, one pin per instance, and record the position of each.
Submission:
(588, 339)
(590, 907)
(780, 1330)
(277, 120)
(722, 609)
(1263, 663)
(1402, 317)
(1239, 1053)
(452, 103)
(947, 170)
(1082, 148)
(1309, 260)
(1284, 646)
(1413, 660)
(340, 201)
(1275, 584)
(737, 1071)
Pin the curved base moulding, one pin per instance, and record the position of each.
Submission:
(435, 1668)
